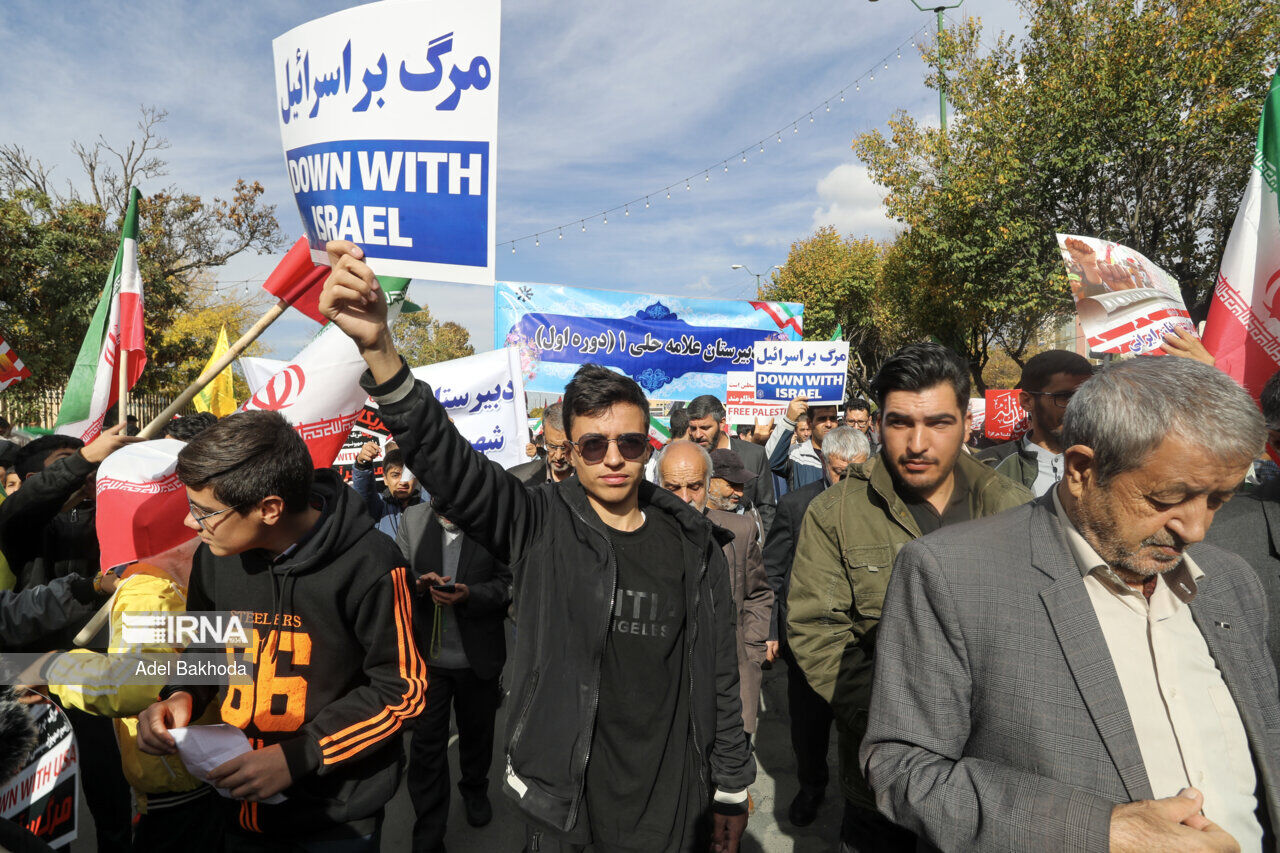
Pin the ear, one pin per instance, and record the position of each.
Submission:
(271, 509)
(968, 421)
(1077, 469)
(1024, 400)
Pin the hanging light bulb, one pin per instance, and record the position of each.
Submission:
(857, 87)
(606, 218)
(899, 53)
(668, 193)
(779, 137)
(744, 157)
(842, 96)
(795, 128)
(513, 248)
(584, 225)
(762, 147)
(686, 183)
(646, 202)
(537, 240)
(561, 233)
(873, 78)
(726, 167)
(707, 176)
(810, 118)
(626, 211)
(886, 66)
(828, 106)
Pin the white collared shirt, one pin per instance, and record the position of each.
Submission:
(1187, 725)
(1048, 466)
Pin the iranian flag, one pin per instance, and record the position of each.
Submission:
(140, 504)
(1243, 329)
(115, 337)
(319, 390)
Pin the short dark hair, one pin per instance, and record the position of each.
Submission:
(249, 456)
(916, 367)
(858, 404)
(594, 389)
(1042, 367)
(679, 423)
(393, 459)
(188, 427)
(1270, 401)
(743, 429)
(706, 406)
(803, 416)
(30, 458)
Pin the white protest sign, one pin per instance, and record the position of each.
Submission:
(815, 370)
(740, 401)
(42, 797)
(484, 395)
(389, 117)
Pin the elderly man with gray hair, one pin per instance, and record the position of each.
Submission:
(1079, 673)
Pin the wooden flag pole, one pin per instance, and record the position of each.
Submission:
(153, 429)
(122, 363)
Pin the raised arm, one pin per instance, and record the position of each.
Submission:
(489, 504)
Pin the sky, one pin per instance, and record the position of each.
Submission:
(599, 103)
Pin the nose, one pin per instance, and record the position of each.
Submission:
(613, 456)
(190, 522)
(685, 495)
(916, 443)
(1192, 523)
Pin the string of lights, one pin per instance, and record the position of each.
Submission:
(643, 202)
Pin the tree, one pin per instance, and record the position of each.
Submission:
(1131, 122)
(837, 278)
(60, 243)
(422, 339)
(193, 333)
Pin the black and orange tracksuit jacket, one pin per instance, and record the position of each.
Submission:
(336, 672)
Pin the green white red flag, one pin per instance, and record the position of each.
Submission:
(11, 367)
(1243, 329)
(115, 333)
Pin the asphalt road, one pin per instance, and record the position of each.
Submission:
(768, 830)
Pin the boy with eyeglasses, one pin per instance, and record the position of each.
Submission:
(1048, 381)
(328, 611)
(626, 725)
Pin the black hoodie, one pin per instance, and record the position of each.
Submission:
(337, 672)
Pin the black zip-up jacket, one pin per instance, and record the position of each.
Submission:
(565, 580)
(335, 668)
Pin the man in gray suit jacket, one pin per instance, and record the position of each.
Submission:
(1078, 673)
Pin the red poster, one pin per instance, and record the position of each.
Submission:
(1005, 419)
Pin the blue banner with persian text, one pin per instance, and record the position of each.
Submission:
(675, 347)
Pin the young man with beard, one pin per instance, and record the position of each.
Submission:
(920, 482)
(625, 730)
(1048, 381)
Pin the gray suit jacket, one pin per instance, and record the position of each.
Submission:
(997, 719)
(760, 489)
(1249, 526)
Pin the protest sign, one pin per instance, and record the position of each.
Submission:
(814, 370)
(388, 114)
(41, 798)
(676, 348)
(1126, 304)
(978, 414)
(1004, 418)
(740, 401)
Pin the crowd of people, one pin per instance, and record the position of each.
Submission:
(1063, 642)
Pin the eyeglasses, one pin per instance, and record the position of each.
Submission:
(1060, 398)
(593, 447)
(559, 448)
(200, 519)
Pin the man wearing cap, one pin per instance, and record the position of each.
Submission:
(729, 480)
(686, 470)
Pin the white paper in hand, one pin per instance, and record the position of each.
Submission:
(205, 748)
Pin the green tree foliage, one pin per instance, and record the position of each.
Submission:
(838, 280)
(1130, 122)
(60, 243)
(422, 339)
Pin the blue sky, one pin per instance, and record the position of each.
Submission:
(600, 103)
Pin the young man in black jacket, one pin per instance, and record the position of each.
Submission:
(626, 727)
(335, 670)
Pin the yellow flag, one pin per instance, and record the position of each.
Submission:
(218, 396)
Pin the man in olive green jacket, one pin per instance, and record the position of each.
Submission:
(920, 481)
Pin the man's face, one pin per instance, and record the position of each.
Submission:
(12, 482)
(923, 432)
(613, 478)
(859, 419)
(822, 419)
(1141, 521)
(803, 431)
(835, 466)
(684, 474)
(557, 452)
(1046, 414)
(399, 484)
(227, 532)
(705, 431)
(724, 495)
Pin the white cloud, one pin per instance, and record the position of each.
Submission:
(854, 204)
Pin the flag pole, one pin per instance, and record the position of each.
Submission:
(122, 364)
(156, 426)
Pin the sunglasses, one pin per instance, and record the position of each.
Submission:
(593, 447)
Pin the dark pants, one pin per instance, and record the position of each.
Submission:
(474, 701)
(196, 826)
(866, 831)
(237, 843)
(810, 727)
(106, 792)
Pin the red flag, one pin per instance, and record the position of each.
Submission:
(298, 281)
(1005, 417)
(141, 505)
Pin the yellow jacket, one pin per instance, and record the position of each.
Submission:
(144, 588)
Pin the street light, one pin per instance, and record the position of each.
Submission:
(758, 275)
(942, 71)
